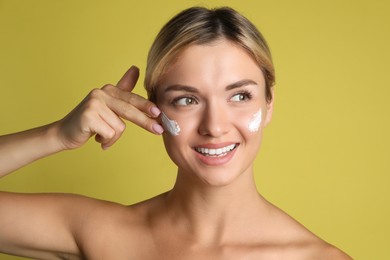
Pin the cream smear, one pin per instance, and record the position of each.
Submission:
(170, 125)
(255, 122)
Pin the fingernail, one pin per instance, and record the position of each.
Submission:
(155, 111)
(158, 128)
(133, 67)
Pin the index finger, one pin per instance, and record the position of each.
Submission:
(128, 81)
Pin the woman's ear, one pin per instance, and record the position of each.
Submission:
(270, 109)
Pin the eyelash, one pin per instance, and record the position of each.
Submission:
(176, 100)
(247, 96)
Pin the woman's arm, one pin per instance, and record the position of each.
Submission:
(38, 226)
(19, 149)
(54, 226)
(48, 225)
(98, 114)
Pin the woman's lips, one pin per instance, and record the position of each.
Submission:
(216, 154)
(220, 151)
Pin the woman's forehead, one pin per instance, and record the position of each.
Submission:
(218, 64)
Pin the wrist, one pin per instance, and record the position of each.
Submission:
(53, 137)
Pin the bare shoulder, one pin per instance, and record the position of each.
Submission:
(330, 252)
(318, 250)
(300, 243)
(112, 215)
(114, 230)
(306, 245)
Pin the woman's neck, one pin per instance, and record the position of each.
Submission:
(211, 212)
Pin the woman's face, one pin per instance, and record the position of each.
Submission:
(216, 94)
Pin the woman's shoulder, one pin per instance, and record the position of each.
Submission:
(114, 229)
(322, 251)
(149, 206)
(299, 242)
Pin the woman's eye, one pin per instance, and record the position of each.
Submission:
(240, 97)
(185, 101)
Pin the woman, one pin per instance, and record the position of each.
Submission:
(210, 73)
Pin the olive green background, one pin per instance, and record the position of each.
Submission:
(325, 156)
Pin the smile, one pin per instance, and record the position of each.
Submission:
(218, 152)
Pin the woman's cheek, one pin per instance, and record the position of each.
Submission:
(170, 125)
(179, 125)
(254, 122)
(186, 125)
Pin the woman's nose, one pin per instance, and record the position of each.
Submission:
(214, 121)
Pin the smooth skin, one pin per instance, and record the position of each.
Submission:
(214, 210)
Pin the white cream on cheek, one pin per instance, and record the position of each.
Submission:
(174, 129)
(170, 125)
(255, 122)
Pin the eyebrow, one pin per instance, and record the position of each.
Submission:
(179, 87)
(241, 83)
(238, 84)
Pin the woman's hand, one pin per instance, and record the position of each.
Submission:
(100, 114)
(102, 111)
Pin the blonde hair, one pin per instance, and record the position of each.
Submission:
(197, 26)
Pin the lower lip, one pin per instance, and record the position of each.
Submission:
(216, 160)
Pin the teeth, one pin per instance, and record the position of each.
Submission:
(215, 152)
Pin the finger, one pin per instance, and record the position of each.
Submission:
(142, 104)
(115, 123)
(128, 81)
(133, 99)
(133, 114)
(104, 131)
(107, 142)
(103, 142)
